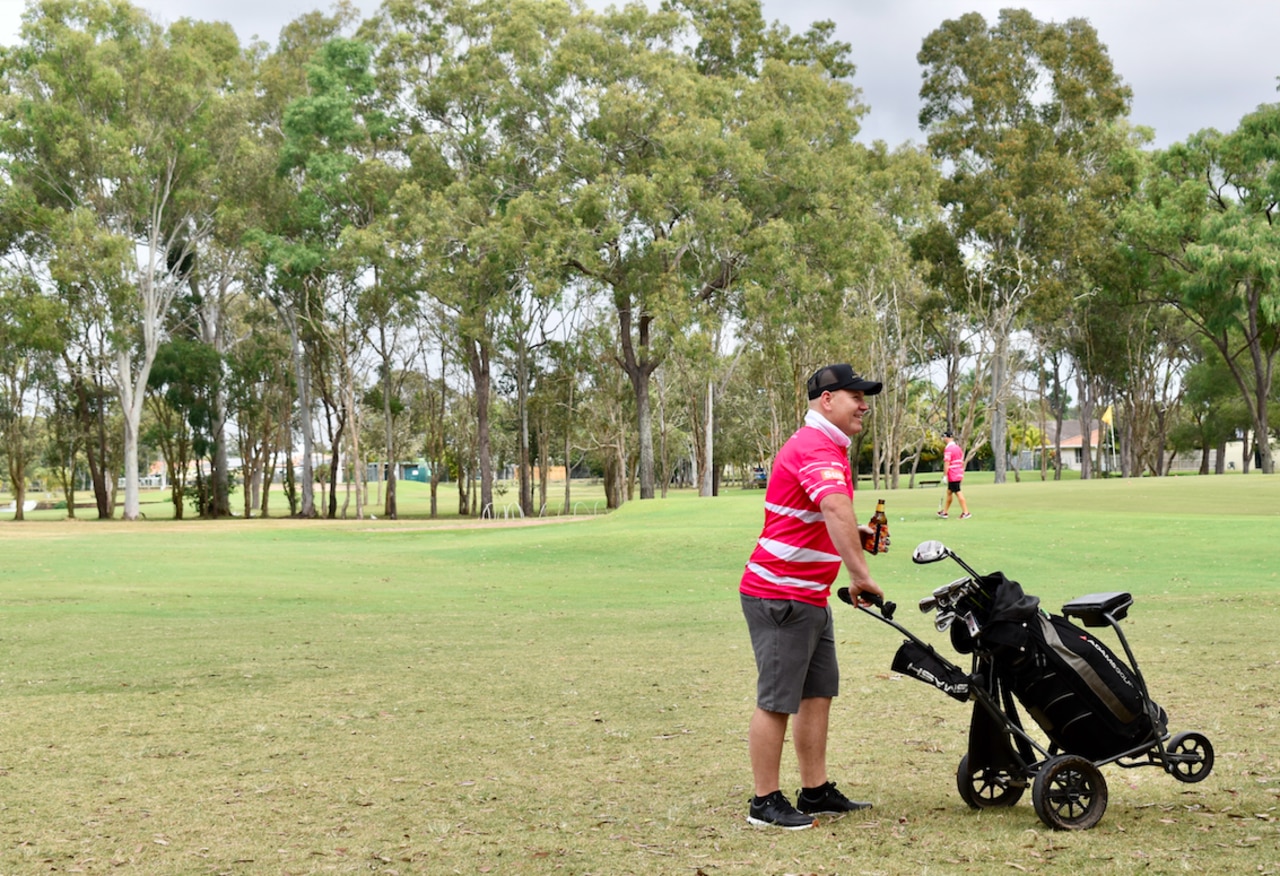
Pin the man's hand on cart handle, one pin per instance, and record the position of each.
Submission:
(886, 608)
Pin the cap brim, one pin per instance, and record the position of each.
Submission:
(866, 387)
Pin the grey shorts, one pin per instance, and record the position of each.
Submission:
(795, 648)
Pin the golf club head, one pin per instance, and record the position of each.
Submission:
(929, 552)
(947, 594)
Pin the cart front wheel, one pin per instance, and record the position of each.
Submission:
(1069, 793)
(987, 787)
(1189, 757)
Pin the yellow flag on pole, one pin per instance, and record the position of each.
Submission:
(1106, 416)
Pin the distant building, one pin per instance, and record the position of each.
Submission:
(1073, 452)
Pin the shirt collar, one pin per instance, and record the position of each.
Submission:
(822, 424)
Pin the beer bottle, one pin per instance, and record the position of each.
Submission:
(874, 543)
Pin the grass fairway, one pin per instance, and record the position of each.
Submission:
(284, 697)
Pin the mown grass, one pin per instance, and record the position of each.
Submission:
(333, 697)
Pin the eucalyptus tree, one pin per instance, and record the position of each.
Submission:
(475, 84)
(1205, 211)
(341, 149)
(1211, 412)
(260, 395)
(561, 399)
(82, 263)
(30, 339)
(113, 118)
(1148, 347)
(1023, 114)
(698, 373)
(707, 141)
(901, 186)
(528, 325)
(63, 441)
(292, 231)
(184, 384)
(222, 274)
(605, 411)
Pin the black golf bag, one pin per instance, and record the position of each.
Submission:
(1093, 707)
(1086, 699)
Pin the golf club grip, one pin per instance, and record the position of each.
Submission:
(886, 608)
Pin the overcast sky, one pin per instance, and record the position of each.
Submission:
(1192, 64)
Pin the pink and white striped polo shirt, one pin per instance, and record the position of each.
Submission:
(794, 557)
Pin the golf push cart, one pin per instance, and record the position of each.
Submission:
(1093, 707)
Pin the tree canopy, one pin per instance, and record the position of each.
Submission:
(502, 237)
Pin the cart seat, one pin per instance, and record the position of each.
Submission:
(1093, 609)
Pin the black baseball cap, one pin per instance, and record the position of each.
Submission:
(834, 377)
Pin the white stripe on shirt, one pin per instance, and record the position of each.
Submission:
(782, 579)
(798, 513)
(791, 554)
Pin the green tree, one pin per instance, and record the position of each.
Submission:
(1024, 114)
(1205, 211)
(184, 385)
(294, 233)
(115, 121)
(340, 147)
(1212, 411)
(475, 83)
(64, 440)
(30, 340)
(696, 171)
(260, 395)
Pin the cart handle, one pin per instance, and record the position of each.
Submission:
(886, 608)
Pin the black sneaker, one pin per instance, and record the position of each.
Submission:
(826, 800)
(775, 810)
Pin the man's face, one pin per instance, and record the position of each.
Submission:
(844, 409)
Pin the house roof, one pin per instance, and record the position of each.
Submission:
(1071, 435)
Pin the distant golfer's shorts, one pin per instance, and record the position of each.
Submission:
(795, 648)
(953, 486)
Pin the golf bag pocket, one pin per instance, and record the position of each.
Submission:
(924, 663)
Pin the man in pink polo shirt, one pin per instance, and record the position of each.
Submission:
(810, 531)
(953, 457)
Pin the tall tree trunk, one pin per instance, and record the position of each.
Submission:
(522, 403)
(302, 372)
(131, 388)
(1085, 394)
(707, 487)
(478, 358)
(999, 410)
(639, 367)
(18, 477)
(568, 453)
(389, 506)
(212, 312)
(357, 464)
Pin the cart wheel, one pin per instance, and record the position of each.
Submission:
(987, 787)
(1069, 793)
(1189, 757)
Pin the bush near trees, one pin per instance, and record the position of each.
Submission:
(518, 236)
